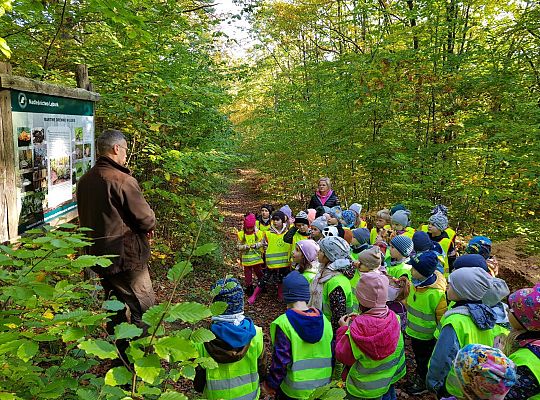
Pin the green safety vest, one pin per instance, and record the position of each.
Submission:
(373, 233)
(525, 357)
(277, 252)
(342, 281)
(398, 270)
(371, 379)
(445, 245)
(309, 275)
(261, 227)
(467, 333)
(449, 231)
(421, 317)
(251, 256)
(354, 281)
(387, 257)
(409, 231)
(311, 365)
(237, 380)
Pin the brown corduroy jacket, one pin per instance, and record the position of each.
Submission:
(111, 203)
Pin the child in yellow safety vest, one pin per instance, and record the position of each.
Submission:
(523, 343)
(359, 221)
(317, 227)
(250, 244)
(438, 223)
(426, 304)
(469, 321)
(263, 220)
(401, 224)
(371, 344)
(299, 231)
(401, 247)
(484, 372)
(238, 350)
(277, 256)
(331, 289)
(382, 223)
(302, 358)
(305, 259)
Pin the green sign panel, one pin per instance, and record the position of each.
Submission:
(44, 104)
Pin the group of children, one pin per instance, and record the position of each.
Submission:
(353, 295)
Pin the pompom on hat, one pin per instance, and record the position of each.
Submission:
(525, 305)
(311, 215)
(397, 207)
(439, 208)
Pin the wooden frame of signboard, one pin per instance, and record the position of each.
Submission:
(9, 217)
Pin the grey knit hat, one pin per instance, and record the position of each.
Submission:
(371, 257)
(334, 248)
(439, 221)
(402, 217)
(320, 223)
(471, 283)
(356, 207)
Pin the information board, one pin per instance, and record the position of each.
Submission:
(54, 142)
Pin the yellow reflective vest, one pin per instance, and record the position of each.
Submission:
(252, 256)
(277, 252)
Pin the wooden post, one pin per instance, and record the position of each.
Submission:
(8, 196)
(83, 81)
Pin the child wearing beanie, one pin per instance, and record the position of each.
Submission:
(382, 223)
(426, 304)
(357, 209)
(302, 345)
(250, 245)
(317, 227)
(264, 220)
(484, 372)
(482, 245)
(401, 248)
(277, 256)
(468, 322)
(371, 344)
(238, 349)
(401, 223)
(299, 231)
(523, 343)
(305, 258)
(438, 224)
(331, 289)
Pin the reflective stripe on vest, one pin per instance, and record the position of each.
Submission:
(468, 333)
(421, 308)
(525, 357)
(311, 365)
(236, 380)
(252, 256)
(369, 378)
(329, 286)
(277, 253)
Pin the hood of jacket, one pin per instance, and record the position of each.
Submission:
(232, 341)
(376, 337)
(308, 324)
(440, 283)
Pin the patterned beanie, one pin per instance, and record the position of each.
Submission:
(335, 212)
(401, 217)
(234, 297)
(525, 305)
(484, 372)
(361, 235)
(439, 221)
(250, 221)
(403, 244)
(371, 258)
(356, 207)
(301, 218)
(349, 218)
(330, 231)
(335, 248)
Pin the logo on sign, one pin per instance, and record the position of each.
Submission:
(23, 101)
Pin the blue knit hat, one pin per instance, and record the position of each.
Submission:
(361, 235)
(403, 244)
(479, 245)
(397, 207)
(295, 288)
(234, 297)
(471, 261)
(421, 242)
(349, 218)
(425, 263)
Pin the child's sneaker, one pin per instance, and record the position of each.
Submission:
(416, 388)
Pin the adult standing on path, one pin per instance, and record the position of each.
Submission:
(324, 196)
(111, 203)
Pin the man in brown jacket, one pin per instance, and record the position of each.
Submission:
(110, 202)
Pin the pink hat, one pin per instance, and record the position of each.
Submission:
(249, 221)
(372, 290)
(311, 215)
(309, 249)
(525, 305)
